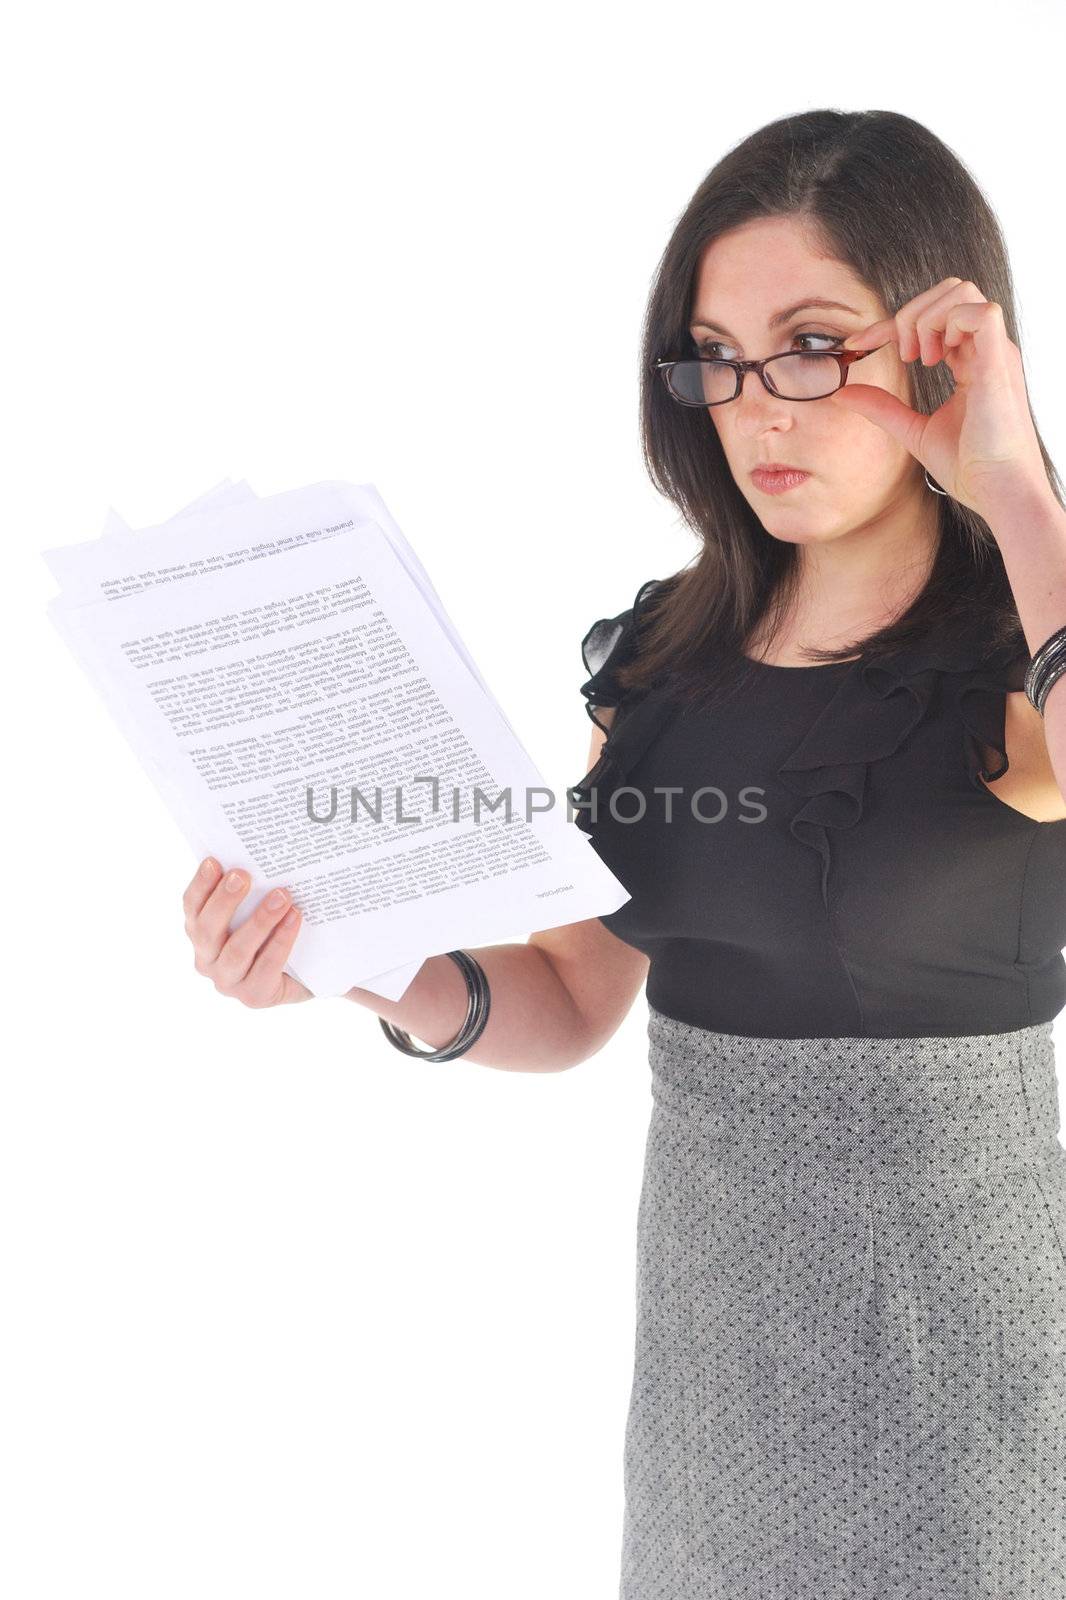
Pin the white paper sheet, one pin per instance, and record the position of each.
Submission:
(390, 985)
(254, 650)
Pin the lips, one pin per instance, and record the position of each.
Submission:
(776, 477)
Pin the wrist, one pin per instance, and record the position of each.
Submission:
(1011, 511)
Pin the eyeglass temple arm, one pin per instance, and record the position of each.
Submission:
(850, 355)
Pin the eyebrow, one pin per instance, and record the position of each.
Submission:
(779, 318)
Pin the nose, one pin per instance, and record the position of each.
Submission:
(756, 408)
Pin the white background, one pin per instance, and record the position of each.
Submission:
(286, 1313)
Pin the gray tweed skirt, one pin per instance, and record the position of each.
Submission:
(850, 1366)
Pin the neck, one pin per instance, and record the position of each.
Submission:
(856, 583)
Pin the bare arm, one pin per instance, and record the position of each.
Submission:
(555, 1000)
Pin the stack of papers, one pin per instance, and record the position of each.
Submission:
(290, 681)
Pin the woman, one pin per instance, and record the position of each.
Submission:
(837, 801)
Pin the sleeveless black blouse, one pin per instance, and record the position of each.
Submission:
(832, 863)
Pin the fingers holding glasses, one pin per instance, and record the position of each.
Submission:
(917, 326)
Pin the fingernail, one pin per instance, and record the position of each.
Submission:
(234, 881)
(207, 868)
(276, 898)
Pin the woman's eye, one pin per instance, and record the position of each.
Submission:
(713, 347)
(831, 337)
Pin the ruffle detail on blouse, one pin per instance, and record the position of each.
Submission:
(609, 644)
(640, 715)
(638, 721)
(981, 704)
(874, 711)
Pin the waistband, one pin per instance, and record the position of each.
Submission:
(973, 1101)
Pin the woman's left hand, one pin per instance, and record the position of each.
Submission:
(981, 444)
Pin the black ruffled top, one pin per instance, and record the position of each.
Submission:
(831, 861)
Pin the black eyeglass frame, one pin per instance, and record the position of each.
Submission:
(843, 358)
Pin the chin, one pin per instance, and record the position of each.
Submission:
(796, 535)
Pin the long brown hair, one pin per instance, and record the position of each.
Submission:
(900, 208)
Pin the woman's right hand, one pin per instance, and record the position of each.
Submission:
(245, 964)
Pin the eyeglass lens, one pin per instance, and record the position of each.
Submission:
(801, 375)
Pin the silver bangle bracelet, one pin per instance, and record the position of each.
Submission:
(1046, 667)
(477, 1014)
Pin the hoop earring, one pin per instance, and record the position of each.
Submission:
(935, 486)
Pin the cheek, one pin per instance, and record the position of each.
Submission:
(864, 443)
(860, 460)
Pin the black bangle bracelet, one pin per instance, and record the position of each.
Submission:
(1052, 677)
(1046, 668)
(477, 1014)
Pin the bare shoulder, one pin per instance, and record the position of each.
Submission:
(1029, 785)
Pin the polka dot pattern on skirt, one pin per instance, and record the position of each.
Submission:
(850, 1362)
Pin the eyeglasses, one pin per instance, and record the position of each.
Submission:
(797, 375)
